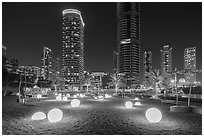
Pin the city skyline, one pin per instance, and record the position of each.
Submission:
(169, 27)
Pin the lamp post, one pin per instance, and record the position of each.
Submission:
(172, 81)
(175, 80)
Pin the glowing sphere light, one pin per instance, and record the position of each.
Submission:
(64, 99)
(75, 103)
(136, 98)
(58, 98)
(39, 96)
(55, 115)
(38, 116)
(68, 95)
(128, 104)
(153, 115)
(75, 96)
(137, 104)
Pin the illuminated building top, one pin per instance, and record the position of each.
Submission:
(75, 12)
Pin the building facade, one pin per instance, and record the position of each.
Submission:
(47, 70)
(115, 61)
(128, 38)
(73, 48)
(190, 63)
(166, 60)
(147, 66)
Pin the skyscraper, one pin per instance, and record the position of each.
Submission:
(57, 69)
(128, 37)
(147, 60)
(47, 71)
(115, 61)
(190, 63)
(73, 47)
(166, 60)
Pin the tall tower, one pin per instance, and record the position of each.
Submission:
(128, 19)
(115, 61)
(166, 60)
(147, 60)
(57, 69)
(47, 71)
(73, 48)
(190, 63)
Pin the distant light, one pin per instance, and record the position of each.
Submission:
(137, 104)
(75, 96)
(38, 116)
(75, 103)
(59, 94)
(153, 115)
(68, 95)
(55, 115)
(136, 98)
(39, 96)
(100, 97)
(81, 95)
(128, 104)
(58, 98)
(55, 94)
(64, 99)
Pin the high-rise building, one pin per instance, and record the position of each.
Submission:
(166, 60)
(147, 60)
(47, 70)
(128, 37)
(73, 48)
(115, 61)
(190, 63)
(57, 69)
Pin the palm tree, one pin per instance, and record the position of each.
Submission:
(87, 82)
(116, 80)
(157, 79)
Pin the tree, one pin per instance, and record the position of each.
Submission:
(158, 81)
(116, 80)
(87, 82)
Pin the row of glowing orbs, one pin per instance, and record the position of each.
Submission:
(54, 115)
(152, 114)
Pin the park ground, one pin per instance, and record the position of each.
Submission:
(94, 117)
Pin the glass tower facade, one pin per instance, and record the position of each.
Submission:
(147, 60)
(166, 60)
(73, 48)
(47, 71)
(190, 63)
(128, 37)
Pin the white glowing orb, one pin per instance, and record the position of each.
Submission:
(128, 104)
(95, 97)
(55, 94)
(75, 103)
(107, 96)
(58, 98)
(59, 94)
(75, 96)
(136, 98)
(81, 95)
(137, 104)
(38, 116)
(39, 96)
(153, 115)
(64, 99)
(55, 115)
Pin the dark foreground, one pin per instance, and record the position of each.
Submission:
(108, 117)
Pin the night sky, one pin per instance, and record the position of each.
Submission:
(27, 27)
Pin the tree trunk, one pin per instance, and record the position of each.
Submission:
(189, 96)
(8, 83)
